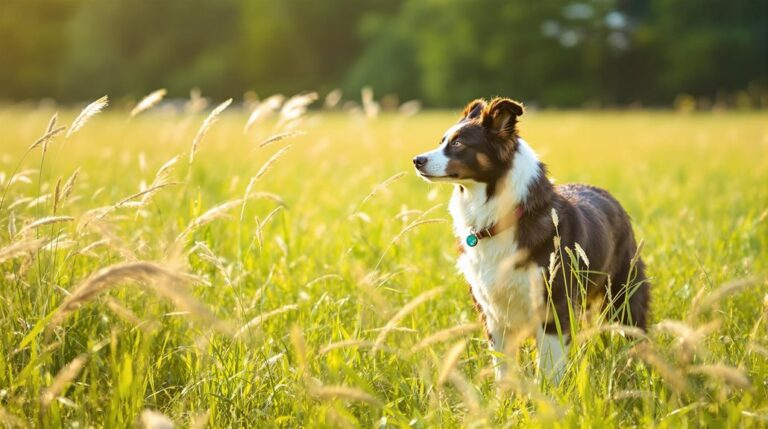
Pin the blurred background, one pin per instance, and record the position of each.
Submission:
(554, 53)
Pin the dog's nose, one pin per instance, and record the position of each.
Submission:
(419, 161)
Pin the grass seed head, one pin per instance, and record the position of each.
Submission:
(19, 248)
(163, 281)
(207, 124)
(325, 393)
(90, 111)
(728, 374)
(258, 320)
(407, 309)
(67, 374)
(450, 361)
(149, 101)
(151, 419)
(445, 335)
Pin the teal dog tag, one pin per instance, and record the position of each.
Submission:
(471, 240)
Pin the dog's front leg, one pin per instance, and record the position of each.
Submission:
(553, 355)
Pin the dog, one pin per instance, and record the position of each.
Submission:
(519, 235)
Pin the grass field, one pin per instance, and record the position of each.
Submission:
(329, 296)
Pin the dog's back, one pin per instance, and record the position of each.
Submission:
(592, 218)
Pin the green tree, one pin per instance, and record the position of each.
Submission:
(132, 47)
(448, 51)
(31, 48)
(708, 46)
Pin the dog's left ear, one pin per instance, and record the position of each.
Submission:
(500, 116)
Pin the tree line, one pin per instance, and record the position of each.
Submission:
(552, 52)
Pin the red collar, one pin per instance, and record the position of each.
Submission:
(502, 225)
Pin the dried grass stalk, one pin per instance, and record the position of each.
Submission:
(267, 196)
(445, 335)
(338, 420)
(207, 123)
(165, 170)
(379, 187)
(322, 278)
(258, 320)
(65, 376)
(87, 113)
(410, 108)
(262, 171)
(87, 250)
(162, 281)
(325, 393)
(129, 316)
(332, 99)
(101, 212)
(400, 315)
(728, 374)
(46, 221)
(450, 361)
(267, 165)
(161, 178)
(69, 186)
(555, 218)
(468, 393)
(719, 294)
(295, 107)
(582, 254)
(208, 217)
(19, 248)
(623, 330)
(112, 239)
(11, 225)
(370, 106)
(631, 394)
(757, 348)
(407, 228)
(300, 346)
(263, 109)
(10, 421)
(689, 339)
(37, 201)
(346, 343)
(50, 132)
(674, 377)
(262, 224)
(56, 195)
(281, 136)
(196, 103)
(149, 101)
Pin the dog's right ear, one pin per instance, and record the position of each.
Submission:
(473, 109)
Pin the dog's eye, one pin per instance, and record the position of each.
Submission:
(456, 143)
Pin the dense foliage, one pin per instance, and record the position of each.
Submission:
(558, 52)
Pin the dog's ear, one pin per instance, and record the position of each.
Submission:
(473, 110)
(500, 116)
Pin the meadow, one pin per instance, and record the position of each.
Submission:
(297, 273)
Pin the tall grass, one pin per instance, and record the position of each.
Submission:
(137, 290)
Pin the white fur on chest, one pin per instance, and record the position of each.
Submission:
(509, 295)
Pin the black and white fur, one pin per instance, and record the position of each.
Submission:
(494, 172)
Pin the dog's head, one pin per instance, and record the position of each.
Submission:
(479, 148)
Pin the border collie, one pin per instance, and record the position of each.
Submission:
(516, 231)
